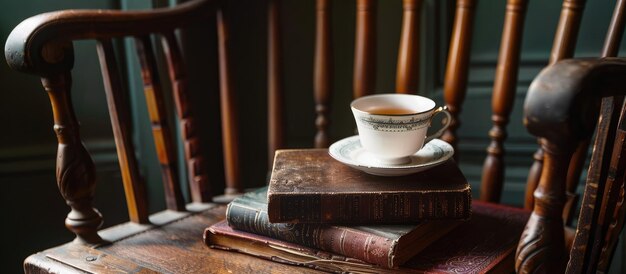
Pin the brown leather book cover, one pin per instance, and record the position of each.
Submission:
(309, 186)
(484, 244)
(383, 245)
(223, 237)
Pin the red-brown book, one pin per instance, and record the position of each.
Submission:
(472, 247)
(309, 186)
(221, 236)
(383, 245)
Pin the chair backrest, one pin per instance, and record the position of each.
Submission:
(42, 45)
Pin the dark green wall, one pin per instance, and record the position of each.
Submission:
(34, 209)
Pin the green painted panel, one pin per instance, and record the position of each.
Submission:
(27, 151)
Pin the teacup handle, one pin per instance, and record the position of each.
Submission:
(438, 134)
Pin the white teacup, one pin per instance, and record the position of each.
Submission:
(393, 127)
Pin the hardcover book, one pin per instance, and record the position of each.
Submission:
(309, 186)
(223, 237)
(472, 247)
(383, 245)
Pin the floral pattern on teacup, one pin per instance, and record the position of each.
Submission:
(393, 125)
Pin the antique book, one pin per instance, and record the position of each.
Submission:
(383, 245)
(221, 236)
(308, 186)
(472, 247)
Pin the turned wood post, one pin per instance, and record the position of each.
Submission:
(364, 80)
(505, 85)
(75, 170)
(541, 246)
(407, 71)
(457, 68)
(323, 71)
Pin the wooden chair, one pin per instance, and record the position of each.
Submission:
(560, 110)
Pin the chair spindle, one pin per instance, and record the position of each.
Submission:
(407, 72)
(275, 105)
(457, 68)
(230, 133)
(504, 90)
(323, 71)
(160, 128)
(134, 186)
(197, 170)
(365, 49)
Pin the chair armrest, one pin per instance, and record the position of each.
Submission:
(42, 44)
(563, 101)
(561, 108)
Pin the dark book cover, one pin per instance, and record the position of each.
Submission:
(309, 186)
(484, 244)
(383, 245)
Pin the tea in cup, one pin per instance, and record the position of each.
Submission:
(392, 127)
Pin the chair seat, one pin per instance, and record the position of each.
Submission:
(173, 244)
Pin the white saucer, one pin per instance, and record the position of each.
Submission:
(350, 152)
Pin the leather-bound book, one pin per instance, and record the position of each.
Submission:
(383, 245)
(472, 247)
(309, 186)
(221, 236)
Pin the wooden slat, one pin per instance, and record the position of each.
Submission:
(158, 119)
(505, 85)
(119, 111)
(197, 169)
(323, 74)
(457, 68)
(364, 80)
(75, 170)
(596, 178)
(230, 133)
(611, 218)
(563, 46)
(407, 71)
(275, 107)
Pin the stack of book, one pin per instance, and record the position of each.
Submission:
(319, 213)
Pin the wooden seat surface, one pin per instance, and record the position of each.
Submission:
(172, 245)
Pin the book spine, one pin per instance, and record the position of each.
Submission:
(369, 208)
(340, 240)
